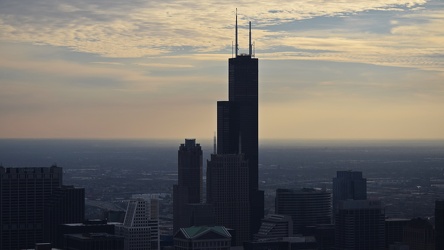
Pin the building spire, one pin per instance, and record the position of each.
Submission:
(250, 45)
(237, 45)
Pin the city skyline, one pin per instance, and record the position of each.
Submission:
(345, 70)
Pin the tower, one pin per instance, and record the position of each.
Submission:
(237, 123)
(349, 185)
(189, 185)
(360, 224)
(23, 195)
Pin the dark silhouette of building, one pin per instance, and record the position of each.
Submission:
(349, 185)
(93, 241)
(237, 124)
(23, 195)
(439, 224)
(66, 205)
(307, 207)
(216, 237)
(86, 227)
(394, 230)
(227, 191)
(275, 226)
(360, 225)
(284, 243)
(189, 186)
(419, 235)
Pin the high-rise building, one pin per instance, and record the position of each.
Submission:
(419, 235)
(227, 191)
(275, 226)
(66, 205)
(140, 230)
(237, 123)
(439, 224)
(359, 225)
(189, 188)
(349, 185)
(202, 237)
(394, 230)
(307, 207)
(23, 195)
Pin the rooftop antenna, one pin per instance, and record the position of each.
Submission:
(237, 45)
(232, 49)
(250, 45)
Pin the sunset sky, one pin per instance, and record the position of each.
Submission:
(344, 69)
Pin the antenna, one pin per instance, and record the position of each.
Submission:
(249, 44)
(237, 45)
(232, 49)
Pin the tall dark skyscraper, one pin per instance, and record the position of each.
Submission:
(237, 123)
(32, 204)
(189, 184)
(349, 185)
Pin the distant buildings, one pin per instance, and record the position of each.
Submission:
(189, 188)
(360, 225)
(307, 207)
(32, 203)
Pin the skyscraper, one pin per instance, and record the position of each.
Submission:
(349, 185)
(23, 195)
(189, 184)
(140, 228)
(237, 123)
(307, 207)
(360, 225)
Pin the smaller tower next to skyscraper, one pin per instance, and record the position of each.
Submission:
(189, 182)
(349, 185)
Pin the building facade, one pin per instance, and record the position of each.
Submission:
(349, 185)
(228, 192)
(307, 207)
(189, 188)
(200, 238)
(140, 230)
(360, 225)
(23, 195)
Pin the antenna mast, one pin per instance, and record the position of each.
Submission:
(237, 45)
(249, 45)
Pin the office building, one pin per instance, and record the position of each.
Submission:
(307, 207)
(23, 195)
(93, 241)
(285, 243)
(140, 230)
(190, 238)
(237, 123)
(66, 205)
(349, 185)
(394, 230)
(228, 192)
(419, 235)
(189, 188)
(275, 226)
(439, 224)
(360, 225)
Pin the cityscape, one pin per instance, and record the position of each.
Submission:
(235, 191)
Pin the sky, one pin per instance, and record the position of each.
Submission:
(344, 69)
